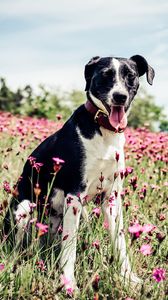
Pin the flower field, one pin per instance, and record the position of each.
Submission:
(34, 272)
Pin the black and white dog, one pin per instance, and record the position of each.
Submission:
(91, 143)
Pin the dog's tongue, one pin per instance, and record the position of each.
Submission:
(118, 118)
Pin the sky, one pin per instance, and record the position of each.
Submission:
(50, 41)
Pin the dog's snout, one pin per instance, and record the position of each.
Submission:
(119, 98)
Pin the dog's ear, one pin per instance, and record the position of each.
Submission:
(143, 68)
(89, 69)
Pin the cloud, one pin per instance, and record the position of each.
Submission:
(88, 13)
(18, 7)
(50, 41)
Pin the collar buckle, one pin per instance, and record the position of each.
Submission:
(100, 111)
(120, 130)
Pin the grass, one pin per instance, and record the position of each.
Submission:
(34, 273)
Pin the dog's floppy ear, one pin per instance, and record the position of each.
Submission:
(89, 69)
(143, 68)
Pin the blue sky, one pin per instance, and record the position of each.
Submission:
(50, 41)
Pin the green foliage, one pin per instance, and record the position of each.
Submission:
(144, 111)
(76, 98)
(48, 103)
(164, 125)
(9, 101)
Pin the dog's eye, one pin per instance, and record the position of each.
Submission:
(107, 73)
(105, 77)
(130, 78)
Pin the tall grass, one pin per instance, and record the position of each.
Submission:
(34, 273)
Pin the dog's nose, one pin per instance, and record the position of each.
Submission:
(119, 99)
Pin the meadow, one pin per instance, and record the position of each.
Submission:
(34, 272)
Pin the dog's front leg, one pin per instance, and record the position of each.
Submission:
(72, 212)
(114, 217)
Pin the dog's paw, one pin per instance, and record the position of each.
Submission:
(134, 279)
(131, 278)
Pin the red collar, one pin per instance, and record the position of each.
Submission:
(100, 117)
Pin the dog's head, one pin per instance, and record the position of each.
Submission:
(112, 83)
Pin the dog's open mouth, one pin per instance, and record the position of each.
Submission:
(117, 117)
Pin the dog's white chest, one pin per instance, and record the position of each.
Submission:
(104, 157)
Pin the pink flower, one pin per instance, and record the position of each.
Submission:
(148, 228)
(133, 182)
(32, 205)
(96, 244)
(40, 264)
(95, 283)
(32, 160)
(135, 208)
(60, 229)
(58, 160)
(59, 117)
(122, 173)
(146, 249)
(2, 267)
(57, 164)
(143, 192)
(42, 228)
(135, 229)
(97, 211)
(154, 187)
(85, 199)
(160, 236)
(6, 187)
(159, 274)
(65, 282)
(106, 225)
(128, 298)
(70, 291)
(162, 217)
(111, 200)
(37, 166)
(128, 170)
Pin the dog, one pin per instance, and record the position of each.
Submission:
(86, 151)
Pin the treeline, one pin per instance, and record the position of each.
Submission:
(44, 104)
(47, 103)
